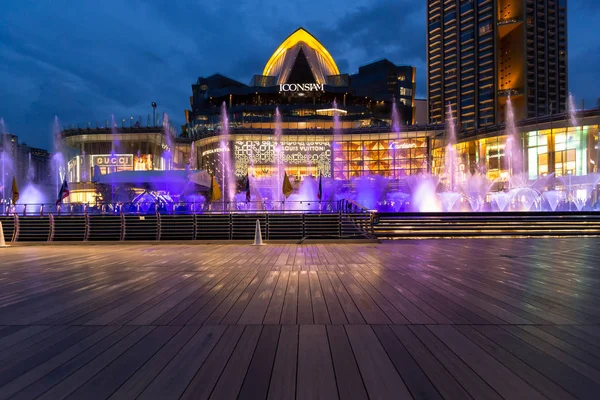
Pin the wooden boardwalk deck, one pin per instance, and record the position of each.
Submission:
(454, 319)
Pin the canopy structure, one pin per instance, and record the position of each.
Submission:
(301, 45)
(175, 180)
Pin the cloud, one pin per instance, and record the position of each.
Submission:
(84, 60)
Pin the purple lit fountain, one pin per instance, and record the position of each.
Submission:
(58, 164)
(168, 134)
(512, 150)
(6, 163)
(227, 172)
(337, 139)
(522, 195)
(31, 193)
(450, 195)
(193, 158)
(278, 157)
(114, 138)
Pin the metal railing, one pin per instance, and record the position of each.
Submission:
(289, 220)
(182, 208)
(192, 227)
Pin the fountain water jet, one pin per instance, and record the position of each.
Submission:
(337, 136)
(572, 111)
(395, 118)
(193, 159)
(6, 162)
(512, 150)
(553, 197)
(114, 136)
(227, 172)
(58, 164)
(501, 199)
(278, 156)
(450, 155)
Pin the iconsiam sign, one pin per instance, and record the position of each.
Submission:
(253, 152)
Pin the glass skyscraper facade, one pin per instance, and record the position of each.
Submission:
(480, 52)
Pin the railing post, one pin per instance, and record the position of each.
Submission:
(230, 226)
(51, 232)
(195, 225)
(267, 227)
(158, 227)
(16, 229)
(303, 225)
(42, 210)
(122, 238)
(24, 210)
(86, 232)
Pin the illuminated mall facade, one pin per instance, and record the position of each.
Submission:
(341, 125)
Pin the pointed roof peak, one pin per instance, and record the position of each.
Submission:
(300, 38)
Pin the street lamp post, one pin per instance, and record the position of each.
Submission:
(153, 113)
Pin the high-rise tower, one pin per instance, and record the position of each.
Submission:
(481, 51)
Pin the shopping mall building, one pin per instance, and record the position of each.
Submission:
(341, 125)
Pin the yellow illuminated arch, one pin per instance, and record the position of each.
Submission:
(301, 35)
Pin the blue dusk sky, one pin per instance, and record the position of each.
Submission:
(85, 60)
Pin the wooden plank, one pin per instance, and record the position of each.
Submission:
(283, 378)
(202, 384)
(394, 311)
(242, 301)
(474, 385)
(395, 293)
(107, 381)
(275, 308)
(349, 381)
(20, 335)
(213, 308)
(193, 300)
(350, 310)
(41, 352)
(256, 382)
(534, 378)
(316, 378)
(415, 379)
(336, 312)
(153, 310)
(379, 374)
(368, 308)
(231, 380)
(28, 378)
(36, 342)
(257, 307)
(500, 378)
(69, 383)
(575, 383)
(570, 336)
(175, 377)
(457, 313)
(143, 376)
(441, 379)
(305, 308)
(290, 304)
(145, 312)
(320, 311)
(555, 352)
(49, 377)
(565, 346)
(109, 303)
